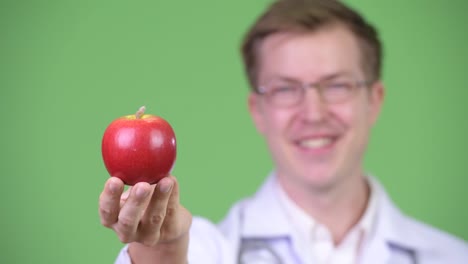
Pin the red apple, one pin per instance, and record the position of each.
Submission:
(139, 148)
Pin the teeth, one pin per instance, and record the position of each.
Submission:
(315, 143)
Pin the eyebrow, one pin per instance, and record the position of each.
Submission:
(327, 77)
(335, 75)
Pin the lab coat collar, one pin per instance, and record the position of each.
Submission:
(394, 227)
(264, 217)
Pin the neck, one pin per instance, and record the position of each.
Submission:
(338, 206)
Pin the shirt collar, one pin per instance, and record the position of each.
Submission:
(298, 218)
(283, 211)
(303, 222)
(368, 221)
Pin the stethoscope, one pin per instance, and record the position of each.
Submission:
(260, 251)
(257, 251)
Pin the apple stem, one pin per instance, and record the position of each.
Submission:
(140, 112)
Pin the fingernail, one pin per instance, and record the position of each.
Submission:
(141, 192)
(164, 188)
(113, 187)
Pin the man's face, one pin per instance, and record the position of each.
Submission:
(314, 143)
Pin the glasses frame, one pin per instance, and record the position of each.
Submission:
(319, 86)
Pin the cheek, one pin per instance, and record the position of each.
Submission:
(276, 123)
(276, 127)
(343, 115)
(353, 118)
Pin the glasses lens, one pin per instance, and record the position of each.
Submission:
(336, 91)
(284, 94)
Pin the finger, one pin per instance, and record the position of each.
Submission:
(178, 219)
(155, 214)
(109, 201)
(124, 196)
(132, 211)
(174, 199)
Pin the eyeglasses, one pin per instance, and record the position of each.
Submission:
(285, 93)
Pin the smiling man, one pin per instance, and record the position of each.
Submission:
(314, 70)
(315, 107)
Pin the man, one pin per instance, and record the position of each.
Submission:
(314, 68)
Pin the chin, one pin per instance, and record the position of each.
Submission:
(319, 182)
(317, 178)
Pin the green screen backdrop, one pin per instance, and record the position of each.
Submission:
(68, 68)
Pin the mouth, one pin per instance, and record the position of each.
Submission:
(317, 144)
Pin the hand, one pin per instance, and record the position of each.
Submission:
(149, 217)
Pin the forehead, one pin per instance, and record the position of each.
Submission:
(309, 56)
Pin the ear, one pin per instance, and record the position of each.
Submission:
(377, 96)
(255, 111)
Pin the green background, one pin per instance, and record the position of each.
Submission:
(68, 68)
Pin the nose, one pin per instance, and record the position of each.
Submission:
(313, 107)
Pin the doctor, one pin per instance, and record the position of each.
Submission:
(314, 70)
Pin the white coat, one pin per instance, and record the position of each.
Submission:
(256, 231)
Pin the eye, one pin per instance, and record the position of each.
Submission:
(283, 89)
(338, 86)
(337, 90)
